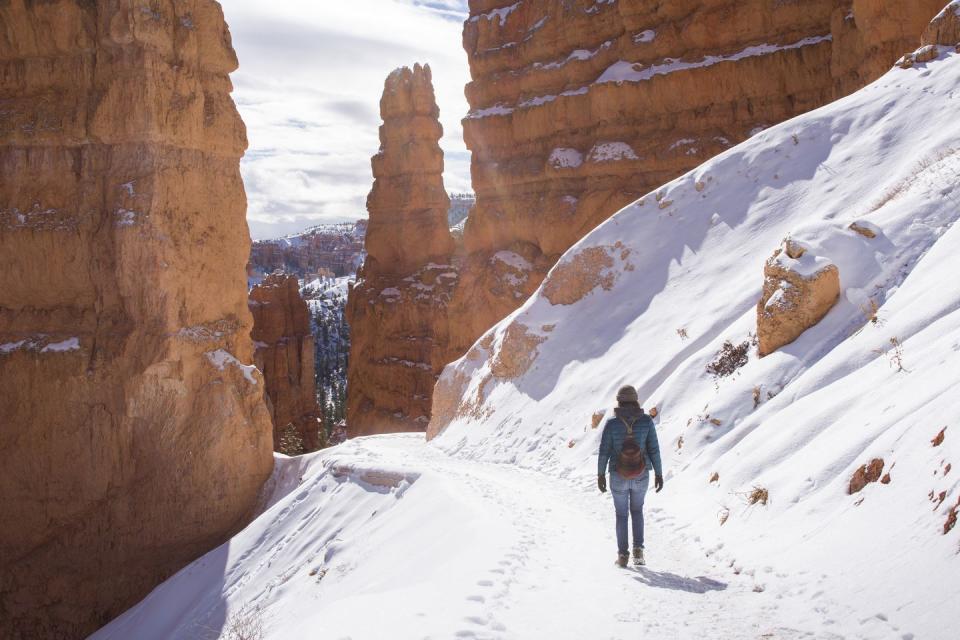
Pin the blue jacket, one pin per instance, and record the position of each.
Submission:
(615, 431)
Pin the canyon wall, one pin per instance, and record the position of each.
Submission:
(397, 308)
(327, 250)
(578, 107)
(133, 430)
(285, 354)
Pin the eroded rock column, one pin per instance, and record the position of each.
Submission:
(285, 352)
(397, 309)
(133, 431)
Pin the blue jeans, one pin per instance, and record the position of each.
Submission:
(628, 500)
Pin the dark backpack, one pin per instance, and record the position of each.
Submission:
(631, 462)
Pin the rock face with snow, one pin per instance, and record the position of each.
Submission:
(134, 432)
(285, 354)
(945, 27)
(397, 308)
(578, 108)
(799, 289)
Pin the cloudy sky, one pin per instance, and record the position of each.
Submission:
(309, 84)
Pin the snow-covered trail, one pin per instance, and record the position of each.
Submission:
(554, 575)
(389, 536)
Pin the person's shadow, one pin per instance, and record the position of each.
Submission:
(667, 580)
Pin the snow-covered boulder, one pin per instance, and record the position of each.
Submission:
(799, 288)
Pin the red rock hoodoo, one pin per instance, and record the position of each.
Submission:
(134, 435)
(397, 309)
(580, 107)
(285, 352)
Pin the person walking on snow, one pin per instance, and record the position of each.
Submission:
(628, 447)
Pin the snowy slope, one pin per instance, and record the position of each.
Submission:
(496, 530)
(686, 268)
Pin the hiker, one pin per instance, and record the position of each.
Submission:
(628, 446)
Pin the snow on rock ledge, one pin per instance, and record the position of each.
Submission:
(799, 289)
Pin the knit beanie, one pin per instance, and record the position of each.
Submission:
(627, 394)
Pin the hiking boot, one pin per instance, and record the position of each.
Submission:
(638, 560)
(622, 560)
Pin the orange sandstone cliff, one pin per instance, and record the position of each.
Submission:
(397, 308)
(133, 430)
(579, 107)
(285, 352)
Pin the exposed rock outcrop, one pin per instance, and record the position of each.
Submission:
(870, 35)
(944, 29)
(134, 434)
(799, 289)
(579, 108)
(397, 308)
(866, 474)
(285, 351)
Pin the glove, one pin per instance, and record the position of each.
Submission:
(658, 483)
(602, 483)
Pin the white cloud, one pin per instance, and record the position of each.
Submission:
(309, 84)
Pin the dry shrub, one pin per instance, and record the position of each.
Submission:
(923, 166)
(682, 333)
(730, 358)
(244, 624)
(715, 477)
(759, 494)
(871, 312)
(894, 353)
(951, 519)
(756, 397)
